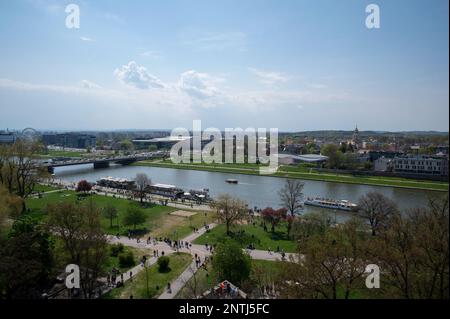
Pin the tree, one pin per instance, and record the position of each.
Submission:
(126, 145)
(10, 206)
(231, 263)
(110, 212)
(273, 216)
(329, 265)
(291, 195)
(333, 154)
(163, 264)
(83, 186)
(377, 209)
(290, 220)
(79, 227)
(134, 216)
(19, 171)
(26, 260)
(414, 253)
(142, 182)
(229, 210)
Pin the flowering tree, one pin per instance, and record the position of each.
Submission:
(273, 216)
(83, 186)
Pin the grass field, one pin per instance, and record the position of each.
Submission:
(159, 222)
(302, 172)
(251, 235)
(114, 261)
(157, 281)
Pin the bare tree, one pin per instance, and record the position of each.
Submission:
(79, 227)
(291, 195)
(377, 209)
(193, 289)
(229, 210)
(142, 182)
(330, 265)
(19, 172)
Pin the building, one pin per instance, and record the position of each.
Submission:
(374, 155)
(355, 137)
(7, 137)
(422, 165)
(224, 290)
(70, 140)
(289, 159)
(383, 164)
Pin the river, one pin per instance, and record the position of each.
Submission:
(260, 191)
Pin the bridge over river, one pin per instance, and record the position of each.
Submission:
(103, 162)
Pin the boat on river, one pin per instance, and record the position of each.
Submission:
(342, 204)
(231, 181)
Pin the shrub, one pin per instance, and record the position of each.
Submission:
(163, 264)
(126, 259)
(116, 249)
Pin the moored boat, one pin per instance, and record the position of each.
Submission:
(342, 204)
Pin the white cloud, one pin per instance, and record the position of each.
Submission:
(86, 39)
(267, 77)
(137, 76)
(89, 85)
(199, 85)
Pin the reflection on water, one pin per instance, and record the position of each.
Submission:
(260, 191)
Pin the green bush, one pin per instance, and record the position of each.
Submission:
(116, 249)
(163, 264)
(126, 259)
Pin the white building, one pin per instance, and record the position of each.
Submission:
(383, 164)
(422, 165)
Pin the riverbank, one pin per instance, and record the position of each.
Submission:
(301, 173)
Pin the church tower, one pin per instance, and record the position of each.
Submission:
(355, 138)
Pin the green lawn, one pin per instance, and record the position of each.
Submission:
(154, 212)
(252, 235)
(305, 172)
(43, 188)
(159, 221)
(114, 261)
(157, 281)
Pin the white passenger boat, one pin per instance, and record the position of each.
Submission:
(332, 204)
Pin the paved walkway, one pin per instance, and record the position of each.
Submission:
(200, 250)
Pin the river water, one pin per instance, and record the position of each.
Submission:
(260, 191)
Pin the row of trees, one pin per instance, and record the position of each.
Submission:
(231, 210)
(411, 250)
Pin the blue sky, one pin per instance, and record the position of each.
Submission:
(295, 65)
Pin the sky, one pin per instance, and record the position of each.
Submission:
(295, 65)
